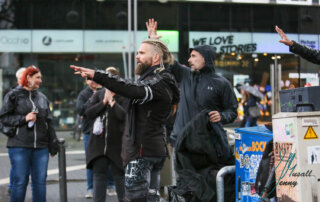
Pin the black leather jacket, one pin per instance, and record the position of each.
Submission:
(151, 100)
(17, 103)
(306, 52)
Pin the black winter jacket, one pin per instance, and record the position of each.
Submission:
(151, 100)
(83, 101)
(306, 52)
(109, 143)
(16, 105)
(201, 149)
(203, 90)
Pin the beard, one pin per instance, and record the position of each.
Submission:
(141, 68)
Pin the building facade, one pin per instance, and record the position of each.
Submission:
(52, 34)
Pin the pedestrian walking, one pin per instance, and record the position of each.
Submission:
(151, 100)
(83, 101)
(27, 110)
(105, 142)
(251, 108)
(306, 52)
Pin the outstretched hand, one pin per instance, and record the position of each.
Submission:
(152, 29)
(84, 72)
(284, 39)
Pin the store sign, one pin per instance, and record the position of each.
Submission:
(105, 41)
(269, 42)
(224, 42)
(309, 40)
(251, 1)
(295, 2)
(247, 42)
(117, 41)
(15, 41)
(57, 41)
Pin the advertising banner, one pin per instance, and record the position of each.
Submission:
(60, 41)
(15, 41)
(295, 2)
(248, 42)
(251, 1)
(118, 40)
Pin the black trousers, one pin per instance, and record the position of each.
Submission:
(100, 176)
(142, 179)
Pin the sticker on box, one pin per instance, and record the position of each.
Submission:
(313, 154)
(310, 122)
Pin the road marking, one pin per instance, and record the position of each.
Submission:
(67, 153)
(50, 172)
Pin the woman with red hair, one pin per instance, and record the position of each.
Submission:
(27, 110)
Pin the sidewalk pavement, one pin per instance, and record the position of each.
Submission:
(76, 174)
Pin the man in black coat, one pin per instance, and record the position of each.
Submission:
(200, 88)
(83, 101)
(151, 100)
(306, 52)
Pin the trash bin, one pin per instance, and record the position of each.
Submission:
(249, 146)
(297, 156)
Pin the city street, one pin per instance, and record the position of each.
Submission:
(76, 176)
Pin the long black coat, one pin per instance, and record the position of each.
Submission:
(109, 143)
(16, 105)
(200, 153)
(83, 100)
(151, 100)
(203, 90)
(306, 52)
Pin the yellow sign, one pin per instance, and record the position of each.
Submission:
(310, 134)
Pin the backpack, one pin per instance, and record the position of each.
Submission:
(9, 130)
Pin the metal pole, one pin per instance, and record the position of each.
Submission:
(279, 71)
(135, 13)
(272, 88)
(220, 181)
(129, 39)
(124, 63)
(62, 171)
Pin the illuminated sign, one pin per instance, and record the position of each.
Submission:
(57, 41)
(117, 41)
(295, 2)
(15, 41)
(248, 42)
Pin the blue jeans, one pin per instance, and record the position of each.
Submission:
(25, 161)
(89, 171)
(251, 123)
(11, 179)
(110, 180)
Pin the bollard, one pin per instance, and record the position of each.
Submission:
(62, 171)
(220, 181)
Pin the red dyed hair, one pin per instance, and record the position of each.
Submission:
(31, 70)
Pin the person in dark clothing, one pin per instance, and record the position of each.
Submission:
(306, 52)
(19, 74)
(151, 100)
(83, 101)
(249, 101)
(201, 88)
(104, 149)
(27, 109)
